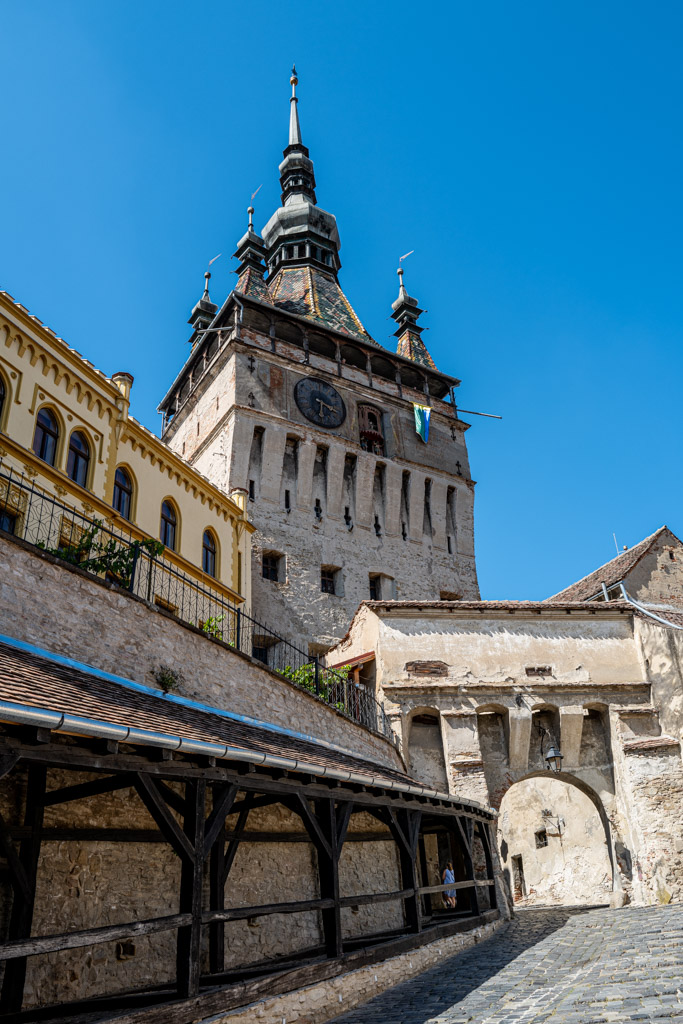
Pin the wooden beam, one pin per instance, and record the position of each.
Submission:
(263, 910)
(188, 957)
(216, 820)
(158, 808)
(95, 787)
(234, 843)
(21, 918)
(91, 936)
(8, 760)
(407, 839)
(374, 897)
(60, 755)
(485, 837)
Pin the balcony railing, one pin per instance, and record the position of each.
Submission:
(140, 566)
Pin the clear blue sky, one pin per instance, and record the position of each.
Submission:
(529, 153)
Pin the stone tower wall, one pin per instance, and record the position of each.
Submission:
(410, 512)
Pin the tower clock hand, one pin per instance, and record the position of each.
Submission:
(325, 404)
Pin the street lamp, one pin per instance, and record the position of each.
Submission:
(553, 759)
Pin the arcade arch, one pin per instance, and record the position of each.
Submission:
(554, 842)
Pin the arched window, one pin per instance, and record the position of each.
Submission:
(123, 492)
(209, 553)
(169, 522)
(79, 458)
(370, 429)
(46, 436)
(3, 396)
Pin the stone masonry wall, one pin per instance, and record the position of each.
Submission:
(61, 609)
(253, 387)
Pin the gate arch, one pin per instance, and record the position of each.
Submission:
(526, 831)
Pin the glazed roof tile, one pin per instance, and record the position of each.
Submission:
(310, 293)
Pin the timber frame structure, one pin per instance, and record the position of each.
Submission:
(189, 796)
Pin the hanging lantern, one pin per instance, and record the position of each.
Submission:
(554, 759)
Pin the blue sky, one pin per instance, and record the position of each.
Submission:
(529, 153)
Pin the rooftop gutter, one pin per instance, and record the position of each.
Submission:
(24, 714)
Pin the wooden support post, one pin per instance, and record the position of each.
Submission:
(21, 918)
(326, 840)
(223, 801)
(189, 938)
(466, 834)
(407, 833)
(484, 831)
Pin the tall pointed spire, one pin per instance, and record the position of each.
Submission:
(302, 242)
(294, 126)
(296, 170)
(406, 314)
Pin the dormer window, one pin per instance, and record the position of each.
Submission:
(370, 429)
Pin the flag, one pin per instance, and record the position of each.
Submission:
(422, 414)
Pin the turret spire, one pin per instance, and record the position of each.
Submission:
(406, 314)
(204, 311)
(294, 126)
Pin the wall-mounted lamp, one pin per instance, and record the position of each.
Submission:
(553, 759)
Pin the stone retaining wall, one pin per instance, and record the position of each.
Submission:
(319, 1003)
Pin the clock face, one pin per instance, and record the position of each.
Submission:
(320, 402)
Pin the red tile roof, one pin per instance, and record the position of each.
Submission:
(610, 574)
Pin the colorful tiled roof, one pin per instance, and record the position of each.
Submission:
(250, 282)
(310, 293)
(411, 346)
(610, 573)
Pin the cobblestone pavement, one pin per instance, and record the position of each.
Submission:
(565, 966)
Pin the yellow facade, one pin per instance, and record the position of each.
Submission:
(95, 437)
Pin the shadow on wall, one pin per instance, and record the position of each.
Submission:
(425, 749)
(553, 846)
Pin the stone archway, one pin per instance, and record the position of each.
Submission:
(554, 840)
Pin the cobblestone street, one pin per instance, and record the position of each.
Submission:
(566, 966)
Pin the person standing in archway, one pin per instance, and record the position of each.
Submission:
(448, 877)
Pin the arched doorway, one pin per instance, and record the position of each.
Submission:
(425, 749)
(553, 836)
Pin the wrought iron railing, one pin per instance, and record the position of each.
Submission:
(139, 565)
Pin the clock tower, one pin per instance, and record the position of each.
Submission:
(352, 456)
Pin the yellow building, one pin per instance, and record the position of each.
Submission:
(71, 455)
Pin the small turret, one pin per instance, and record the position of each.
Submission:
(251, 253)
(204, 311)
(406, 314)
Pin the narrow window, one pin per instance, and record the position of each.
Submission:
(8, 522)
(3, 395)
(79, 458)
(541, 838)
(270, 568)
(209, 553)
(318, 509)
(288, 501)
(327, 580)
(239, 572)
(450, 545)
(123, 493)
(378, 527)
(252, 491)
(404, 531)
(46, 436)
(347, 517)
(375, 588)
(169, 521)
(370, 429)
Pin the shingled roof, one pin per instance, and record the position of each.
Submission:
(610, 573)
(72, 699)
